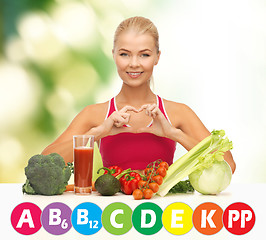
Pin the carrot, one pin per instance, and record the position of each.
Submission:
(70, 188)
(93, 186)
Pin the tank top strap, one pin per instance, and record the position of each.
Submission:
(111, 107)
(162, 108)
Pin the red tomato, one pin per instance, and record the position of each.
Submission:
(164, 164)
(142, 183)
(148, 171)
(148, 193)
(154, 187)
(137, 194)
(158, 179)
(161, 171)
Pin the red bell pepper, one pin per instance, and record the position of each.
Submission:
(115, 170)
(129, 182)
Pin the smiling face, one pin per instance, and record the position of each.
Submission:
(135, 56)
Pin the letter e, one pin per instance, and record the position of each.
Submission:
(175, 218)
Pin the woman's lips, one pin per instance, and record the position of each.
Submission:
(134, 74)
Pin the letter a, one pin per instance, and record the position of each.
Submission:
(25, 218)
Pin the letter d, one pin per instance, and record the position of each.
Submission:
(143, 218)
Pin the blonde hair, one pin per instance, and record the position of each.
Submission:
(141, 25)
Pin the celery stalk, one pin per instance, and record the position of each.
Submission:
(203, 155)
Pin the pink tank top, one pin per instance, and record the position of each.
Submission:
(135, 150)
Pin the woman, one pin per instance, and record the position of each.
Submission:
(135, 127)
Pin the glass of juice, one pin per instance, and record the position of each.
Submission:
(83, 163)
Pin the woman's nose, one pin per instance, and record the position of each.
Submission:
(134, 62)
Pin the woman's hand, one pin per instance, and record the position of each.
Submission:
(160, 125)
(114, 124)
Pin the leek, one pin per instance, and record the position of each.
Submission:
(203, 155)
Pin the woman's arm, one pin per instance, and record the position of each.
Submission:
(186, 128)
(190, 130)
(88, 121)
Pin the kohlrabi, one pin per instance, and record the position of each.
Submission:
(211, 180)
(209, 152)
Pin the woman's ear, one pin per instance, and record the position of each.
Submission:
(158, 57)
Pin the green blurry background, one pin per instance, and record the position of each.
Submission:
(55, 58)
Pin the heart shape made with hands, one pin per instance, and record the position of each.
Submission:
(139, 119)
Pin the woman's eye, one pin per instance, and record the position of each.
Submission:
(123, 54)
(145, 55)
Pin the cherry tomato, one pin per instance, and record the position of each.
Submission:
(148, 171)
(158, 179)
(164, 164)
(161, 171)
(142, 183)
(154, 187)
(148, 193)
(137, 194)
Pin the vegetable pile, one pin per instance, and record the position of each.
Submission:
(138, 185)
(204, 165)
(46, 175)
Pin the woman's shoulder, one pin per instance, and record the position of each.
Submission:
(95, 113)
(178, 112)
(176, 106)
(96, 108)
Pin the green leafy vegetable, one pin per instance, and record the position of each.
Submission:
(46, 175)
(182, 187)
(203, 155)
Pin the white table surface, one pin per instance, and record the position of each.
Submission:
(251, 194)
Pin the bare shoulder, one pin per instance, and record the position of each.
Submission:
(95, 113)
(177, 112)
(89, 117)
(98, 108)
(183, 117)
(175, 106)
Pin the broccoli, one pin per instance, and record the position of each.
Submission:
(46, 175)
(182, 187)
